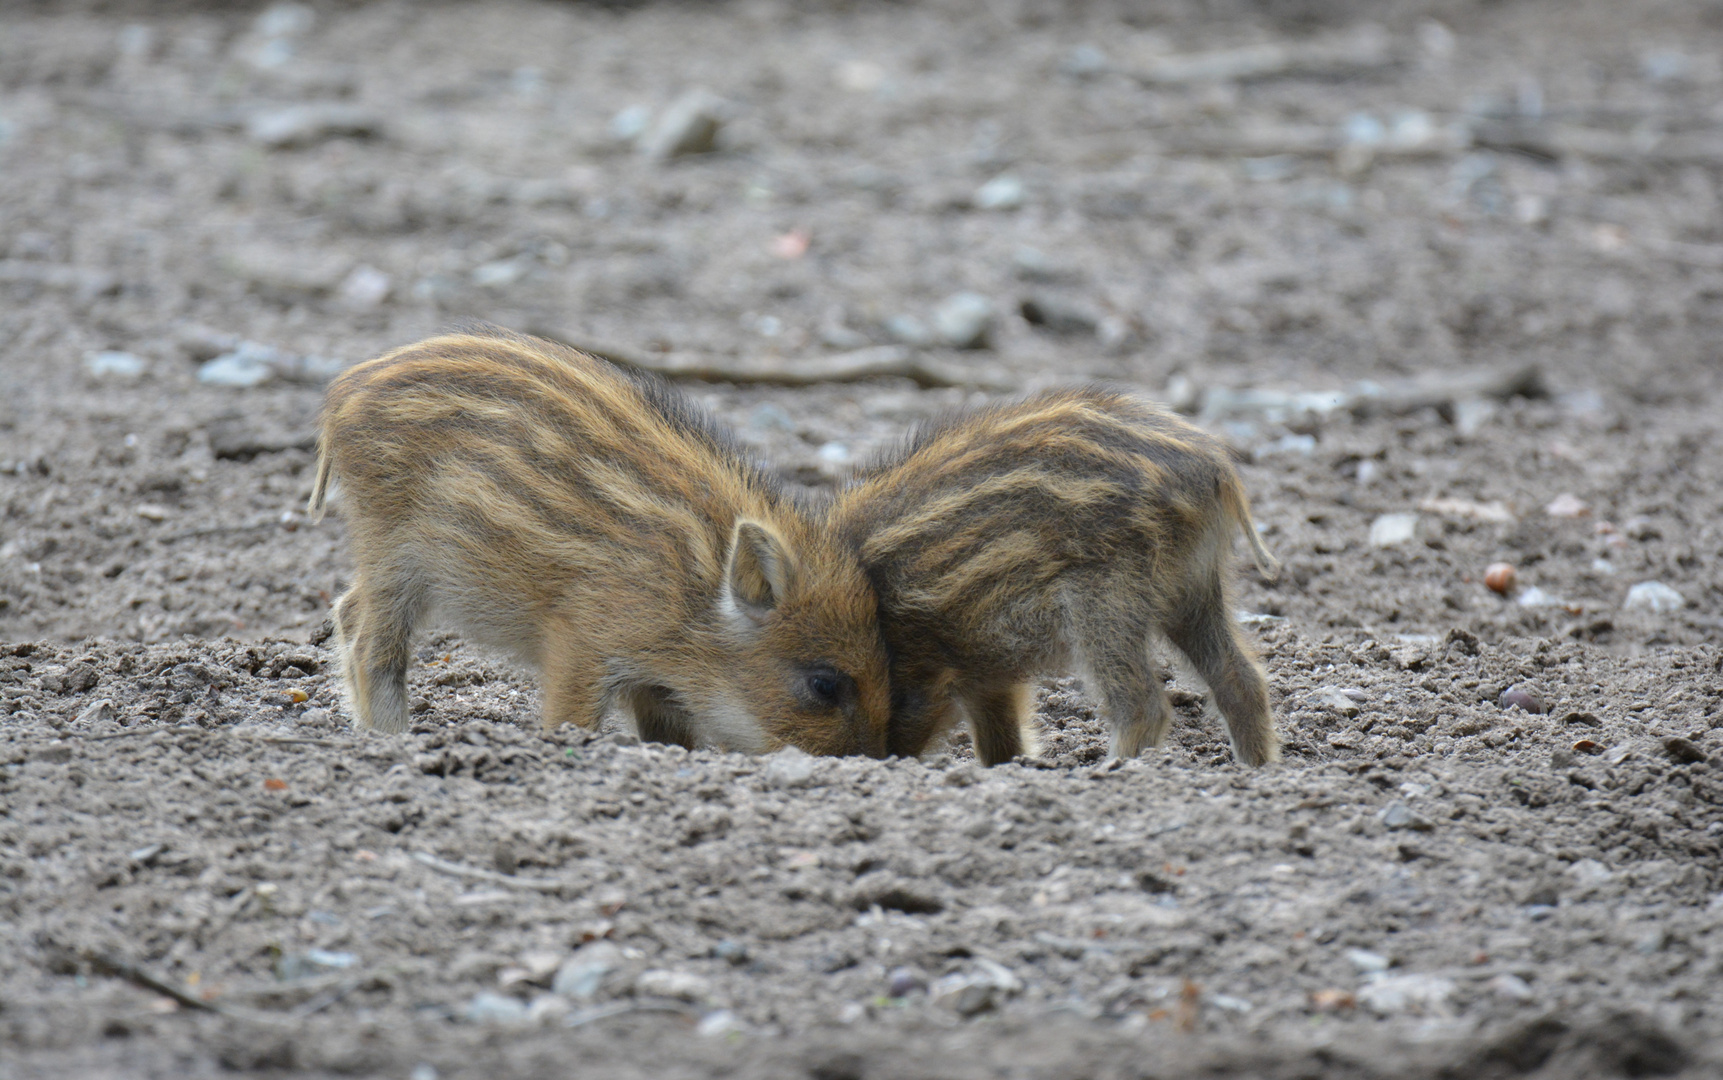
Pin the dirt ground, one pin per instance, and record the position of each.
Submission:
(1493, 848)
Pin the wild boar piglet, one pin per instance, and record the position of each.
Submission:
(591, 523)
(1058, 532)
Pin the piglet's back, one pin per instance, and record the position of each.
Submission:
(532, 461)
(1057, 481)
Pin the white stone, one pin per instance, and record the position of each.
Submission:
(679, 985)
(1391, 530)
(1365, 960)
(1426, 995)
(117, 365)
(365, 288)
(583, 973)
(1654, 596)
(790, 768)
(1003, 192)
(489, 1007)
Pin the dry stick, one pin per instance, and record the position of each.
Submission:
(1444, 388)
(104, 964)
(443, 866)
(621, 1008)
(1364, 50)
(1554, 141)
(272, 739)
(1550, 142)
(215, 530)
(881, 361)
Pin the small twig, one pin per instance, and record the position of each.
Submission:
(216, 530)
(117, 734)
(881, 361)
(104, 964)
(443, 866)
(323, 1001)
(281, 740)
(1364, 50)
(622, 1008)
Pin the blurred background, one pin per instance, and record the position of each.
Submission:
(1443, 263)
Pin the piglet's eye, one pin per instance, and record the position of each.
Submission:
(823, 687)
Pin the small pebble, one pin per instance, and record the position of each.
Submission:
(1398, 815)
(689, 126)
(1567, 505)
(790, 768)
(1640, 527)
(718, 1022)
(630, 123)
(1588, 746)
(905, 981)
(964, 320)
(582, 974)
(114, 365)
(908, 330)
(365, 288)
(731, 952)
(1003, 192)
(1681, 751)
(1500, 577)
(678, 985)
(301, 125)
(489, 1007)
(1510, 987)
(1367, 961)
(1336, 699)
(1535, 597)
(1654, 596)
(1416, 994)
(1391, 530)
(1524, 700)
(101, 711)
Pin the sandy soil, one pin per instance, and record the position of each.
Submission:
(202, 869)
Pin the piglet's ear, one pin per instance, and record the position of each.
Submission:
(758, 571)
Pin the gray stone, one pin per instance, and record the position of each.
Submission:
(365, 288)
(1510, 987)
(302, 125)
(689, 126)
(100, 711)
(909, 330)
(489, 1007)
(904, 981)
(1397, 815)
(984, 987)
(964, 320)
(677, 985)
(1366, 961)
(582, 975)
(249, 365)
(1422, 995)
(1334, 698)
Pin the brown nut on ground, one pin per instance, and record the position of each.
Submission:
(1500, 577)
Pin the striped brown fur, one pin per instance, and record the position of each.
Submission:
(1055, 532)
(591, 523)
